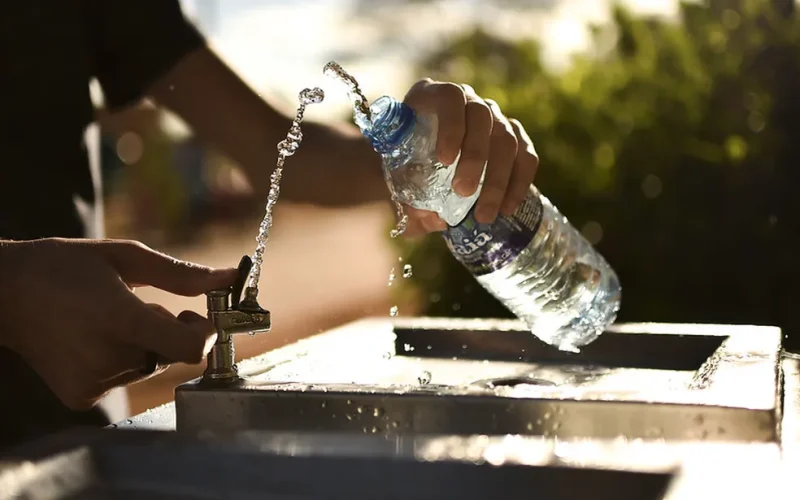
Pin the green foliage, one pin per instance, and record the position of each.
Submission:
(677, 138)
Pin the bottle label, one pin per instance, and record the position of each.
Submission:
(485, 248)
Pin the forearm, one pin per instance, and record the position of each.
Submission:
(334, 165)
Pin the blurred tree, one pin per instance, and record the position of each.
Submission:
(673, 145)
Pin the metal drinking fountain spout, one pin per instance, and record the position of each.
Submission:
(231, 314)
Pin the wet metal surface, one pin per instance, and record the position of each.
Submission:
(465, 377)
(159, 465)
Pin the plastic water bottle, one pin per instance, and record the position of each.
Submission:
(534, 261)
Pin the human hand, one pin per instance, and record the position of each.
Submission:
(479, 130)
(67, 307)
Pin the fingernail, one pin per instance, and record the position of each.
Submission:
(486, 214)
(464, 187)
(447, 159)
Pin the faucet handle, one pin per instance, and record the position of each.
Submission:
(244, 271)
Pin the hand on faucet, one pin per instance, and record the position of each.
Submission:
(68, 309)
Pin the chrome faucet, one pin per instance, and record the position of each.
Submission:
(231, 314)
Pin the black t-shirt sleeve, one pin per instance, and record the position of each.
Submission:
(134, 42)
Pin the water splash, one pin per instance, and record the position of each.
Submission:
(408, 271)
(361, 112)
(392, 277)
(286, 148)
(393, 311)
(363, 118)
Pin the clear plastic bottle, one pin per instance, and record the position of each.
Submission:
(533, 261)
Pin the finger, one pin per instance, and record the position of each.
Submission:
(191, 317)
(422, 222)
(446, 101)
(140, 265)
(475, 147)
(130, 377)
(525, 167)
(164, 334)
(502, 152)
(159, 309)
(414, 229)
(153, 362)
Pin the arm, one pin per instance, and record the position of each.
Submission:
(333, 166)
(147, 47)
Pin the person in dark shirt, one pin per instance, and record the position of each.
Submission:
(71, 328)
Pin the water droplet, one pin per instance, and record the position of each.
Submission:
(374, 430)
(311, 96)
(425, 378)
(324, 404)
(408, 347)
(349, 401)
(391, 277)
(395, 424)
(429, 347)
(546, 415)
(529, 426)
(377, 412)
(388, 355)
(393, 311)
(295, 133)
(287, 147)
(402, 222)
(349, 417)
(360, 409)
(407, 271)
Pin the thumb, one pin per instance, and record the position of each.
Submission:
(186, 339)
(140, 265)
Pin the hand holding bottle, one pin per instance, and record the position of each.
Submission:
(478, 130)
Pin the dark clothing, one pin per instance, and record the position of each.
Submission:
(49, 52)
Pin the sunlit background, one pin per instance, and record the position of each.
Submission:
(280, 46)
